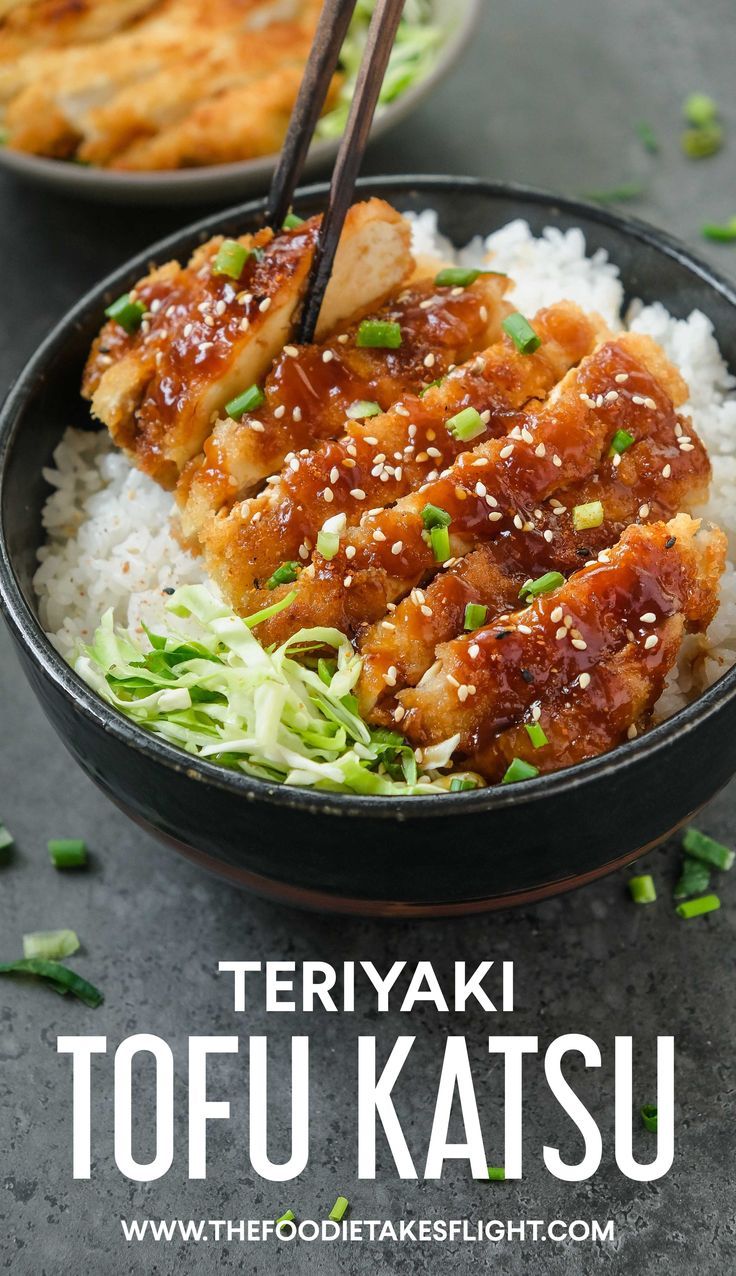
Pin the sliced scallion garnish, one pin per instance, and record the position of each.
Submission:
(433, 516)
(67, 852)
(496, 1173)
(701, 143)
(620, 442)
(521, 333)
(475, 615)
(230, 259)
(59, 977)
(251, 398)
(291, 221)
(461, 784)
(517, 770)
(284, 575)
(466, 425)
(647, 137)
(694, 878)
(430, 386)
(379, 334)
(649, 1117)
(587, 516)
(363, 408)
(339, 1208)
(699, 110)
(542, 585)
(456, 277)
(126, 312)
(698, 907)
(6, 841)
(536, 735)
(50, 944)
(439, 538)
(725, 233)
(642, 889)
(705, 848)
(288, 1216)
(616, 194)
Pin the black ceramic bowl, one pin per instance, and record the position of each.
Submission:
(411, 856)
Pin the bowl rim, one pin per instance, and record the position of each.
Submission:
(26, 626)
(188, 182)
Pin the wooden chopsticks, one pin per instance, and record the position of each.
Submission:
(323, 59)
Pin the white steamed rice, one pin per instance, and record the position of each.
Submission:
(109, 543)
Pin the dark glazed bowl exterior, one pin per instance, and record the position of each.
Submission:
(412, 856)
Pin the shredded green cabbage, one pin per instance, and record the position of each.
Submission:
(224, 697)
(413, 54)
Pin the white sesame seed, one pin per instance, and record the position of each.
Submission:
(584, 680)
(643, 511)
(548, 536)
(297, 414)
(425, 610)
(650, 642)
(632, 732)
(518, 521)
(303, 552)
(523, 629)
(294, 463)
(370, 440)
(536, 712)
(620, 377)
(348, 582)
(350, 552)
(343, 338)
(462, 694)
(667, 471)
(327, 356)
(452, 680)
(386, 624)
(482, 460)
(649, 403)
(424, 305)
(556, 615)
(334, 474)
(390, 676)
(612, 396)
(494, 516)
(265, 305)
(291, 351)
(328, 495)
(648, 618)
(399, 712)
(579, 644)
(400, 410)
(540, 450)
(491, 501)
(378, 535)
(279, 411)
(561, 633)
(616, 460)
(473, 651)
(357, 493)
(397, 547)
(687, 447)
(526, 436)
(480, 489)
(506, 451)
(188, 329)
(556, 460)
(429, 360)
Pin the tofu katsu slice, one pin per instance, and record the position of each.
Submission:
(307, 397)
(58, 23)
(206, 337)
(558, 443)
(659, 474)
(595, 650)
(140, 110)
(382, 459)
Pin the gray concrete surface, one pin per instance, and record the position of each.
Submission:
(548, 95)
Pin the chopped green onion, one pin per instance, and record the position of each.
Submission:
(496, 1173)
(50, 944)
(430, 386)
(466, 425)
(6, 841)
(460, 784)
(647, 137)
(67, 852)
(519, 770)
(642, 889)
(616, 194)
(649, 1117)
(456, 277)
(379, 334)
(440, 541)
(284, 575)
(521, 333)
(251, 398)
(699, 110)
(338, 1209)
(291, 221)
(724, 234)
(620, 442)
(475, 614)
(536, 734)
(433, 516)
(129, 314)
(542, 585)
(230, 259)
(693, 880)
(59, 977)
(705, 848)
(328, 543)
(701, 143)
(697, 907)
(4, 135)
(362, 408)
(287, 1217)
(585, 516)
